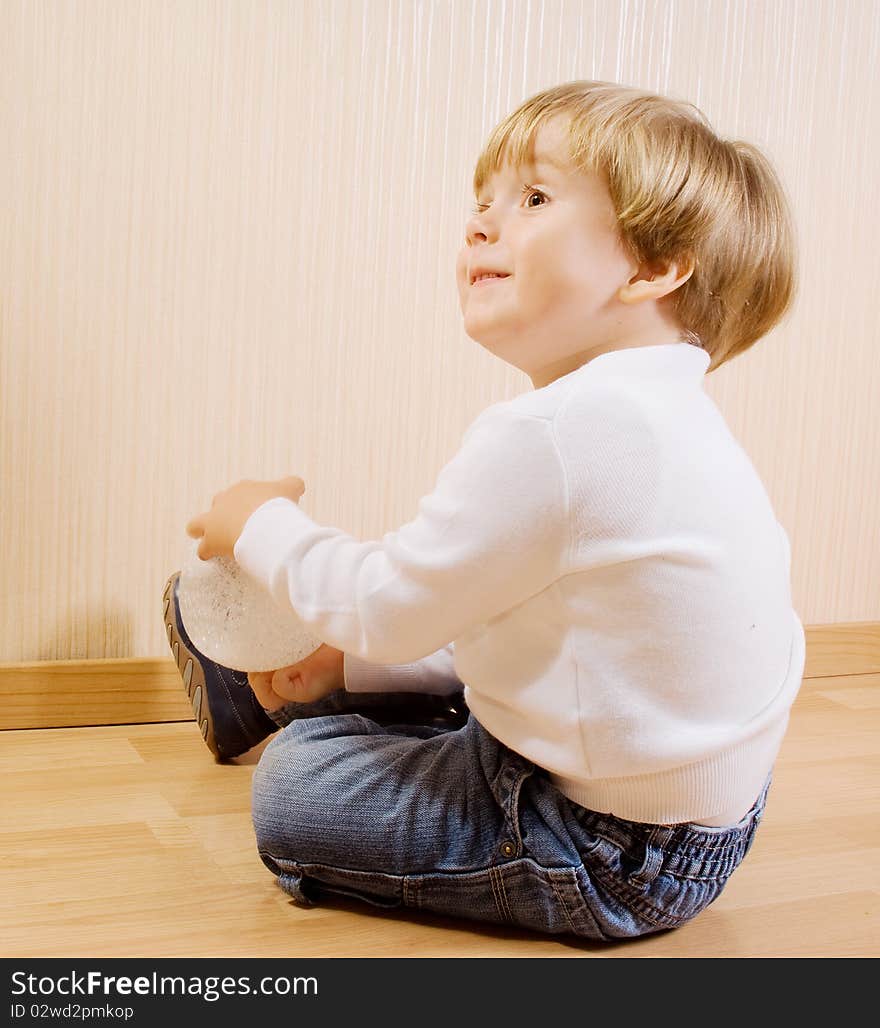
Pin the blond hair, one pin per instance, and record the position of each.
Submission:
(678, 191)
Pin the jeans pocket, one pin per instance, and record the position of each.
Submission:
(544, 899)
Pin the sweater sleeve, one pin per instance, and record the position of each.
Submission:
(493, 532)
(432, 674)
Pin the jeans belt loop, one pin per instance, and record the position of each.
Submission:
(650, 866)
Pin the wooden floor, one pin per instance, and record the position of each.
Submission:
(130, 841)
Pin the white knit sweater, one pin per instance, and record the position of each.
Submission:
(601, 567)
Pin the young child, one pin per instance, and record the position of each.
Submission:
(553, 699)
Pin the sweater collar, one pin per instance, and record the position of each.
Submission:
(679, 358)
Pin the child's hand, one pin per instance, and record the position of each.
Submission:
(312, 678)
(221, 526)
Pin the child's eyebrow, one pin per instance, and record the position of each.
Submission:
(547, 160)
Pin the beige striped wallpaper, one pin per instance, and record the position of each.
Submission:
(227, 239)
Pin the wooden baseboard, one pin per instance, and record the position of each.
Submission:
(75, 693)
(842, 649)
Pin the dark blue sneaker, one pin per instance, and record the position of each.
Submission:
(227, 712)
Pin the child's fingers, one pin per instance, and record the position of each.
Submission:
(261, 684)
(195, 527)
(298, 686)
(303, 682)
(303, 686)
(289, 684)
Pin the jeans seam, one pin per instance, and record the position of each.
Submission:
(561, 899)
(699, 878)
(411, 890)
(499, 893)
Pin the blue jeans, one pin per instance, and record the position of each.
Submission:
(452, 821)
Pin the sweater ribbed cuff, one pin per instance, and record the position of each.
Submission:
(362, 676)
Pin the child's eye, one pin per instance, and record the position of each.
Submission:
(528, 192)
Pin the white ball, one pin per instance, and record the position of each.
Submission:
(233, 619)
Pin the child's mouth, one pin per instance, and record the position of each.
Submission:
(490, 278)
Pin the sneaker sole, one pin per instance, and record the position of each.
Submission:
(190, 669)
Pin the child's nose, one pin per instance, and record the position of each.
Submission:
(478, 227)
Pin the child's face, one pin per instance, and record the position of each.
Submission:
(560, 247)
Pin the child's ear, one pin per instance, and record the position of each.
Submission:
(656, 279)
